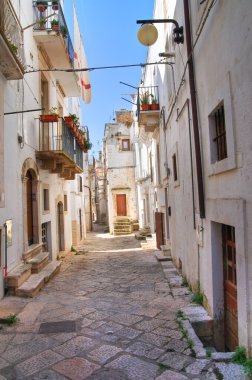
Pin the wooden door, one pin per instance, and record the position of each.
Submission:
(230, 288)
(121, 205)
(61, 238)
(29, 201)
(159, 221)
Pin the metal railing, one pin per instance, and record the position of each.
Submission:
(78, 155)
(45, 15)
(11, 30)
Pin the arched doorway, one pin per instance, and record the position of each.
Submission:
(29, 208)
(60, 217)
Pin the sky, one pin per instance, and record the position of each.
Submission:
(109, 33)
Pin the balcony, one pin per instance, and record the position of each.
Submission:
(51, 34)
(148, 108)
(12, 62)
(58, 150)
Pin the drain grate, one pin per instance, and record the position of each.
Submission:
(57, 327)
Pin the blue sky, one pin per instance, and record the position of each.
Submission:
(109, 32)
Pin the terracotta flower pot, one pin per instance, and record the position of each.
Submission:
(155, 107)
(49, 118)
(145, 107)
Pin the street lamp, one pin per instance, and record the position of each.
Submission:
(148, 34)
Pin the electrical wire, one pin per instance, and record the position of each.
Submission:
(97, 68)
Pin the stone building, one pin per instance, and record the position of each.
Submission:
(201, 136)
(120, 173)
(41, 193)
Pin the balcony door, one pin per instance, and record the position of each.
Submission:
(121, 205)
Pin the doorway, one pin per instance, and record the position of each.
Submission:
(230, 287)
(29, 204)
(60, 215)
(159, 222)
(121, 205)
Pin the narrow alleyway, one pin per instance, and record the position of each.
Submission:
(108, 315)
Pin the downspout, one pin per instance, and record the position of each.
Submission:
(90, 208)
(194, 110)
(5, 260)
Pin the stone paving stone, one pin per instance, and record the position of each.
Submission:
(110, 327)
(148, 312)
(126, 319)
(76, 368)
(37, 363)
(170, 375)
(134, 368)
(47, 375)
(157, 340)
(128, 332)
(149, 325)
(99, 315)
(86, 322)
(23, 351)
(63, 337)
(22, 338)
(75, 346)
(175, 360)
(167, 332)
(177, 345)
(3, 363)
(231, 371)
(104, 353)
(91, 332)
(145, 349)
(96, 324)
(107, 374)
(197, 366)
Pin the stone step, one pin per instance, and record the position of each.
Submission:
(120, 228)
(18, 276)
(165, 250)
(160, 257)
(38, 262)
(37, 281)
(32, 251)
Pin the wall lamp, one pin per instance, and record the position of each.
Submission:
(148, 34)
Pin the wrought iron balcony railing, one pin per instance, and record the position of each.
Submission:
(58, 149)
(12, 35)
(50, 17)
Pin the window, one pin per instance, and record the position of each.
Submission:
(65, 202)
(46, 199)
(219, 134)
(125, 144)
(174, 165)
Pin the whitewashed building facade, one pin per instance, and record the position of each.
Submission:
(41, 193)
(204, 138)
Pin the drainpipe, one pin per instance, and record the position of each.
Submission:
(5, 260)
(90, 208)
(194, 110)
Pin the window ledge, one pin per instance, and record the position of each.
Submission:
(222, 166)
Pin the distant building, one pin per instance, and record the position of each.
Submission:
(120, 173)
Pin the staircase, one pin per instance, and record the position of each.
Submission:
(29, 277)
(122, 226)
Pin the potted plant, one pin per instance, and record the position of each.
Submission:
(154, 103)
(55, 5)
(42, 5)
(55, 24)
(145, 106)
(87, 146)
(42, 23)
(51, 117)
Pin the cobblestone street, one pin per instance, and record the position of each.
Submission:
(109, 314)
